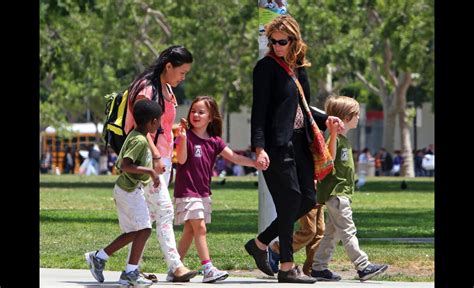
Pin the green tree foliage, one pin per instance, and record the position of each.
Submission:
(358, 91)
(91, 48)
(383, 44)
(222, 36)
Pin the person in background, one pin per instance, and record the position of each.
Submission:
(418, 160)
(46, 162)
(387, 162)
(68, 161)
(111, 159)
(103, 162)
(397, 163)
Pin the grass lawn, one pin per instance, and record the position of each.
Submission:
(77, 214)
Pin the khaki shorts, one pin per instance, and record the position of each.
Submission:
(188, 208)
(132, 209)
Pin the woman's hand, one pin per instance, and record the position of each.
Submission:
(158, 166)
(156, 179)
(262, 161)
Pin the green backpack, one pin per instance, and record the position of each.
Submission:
(114, 133)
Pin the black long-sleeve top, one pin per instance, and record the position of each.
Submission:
(275, 99)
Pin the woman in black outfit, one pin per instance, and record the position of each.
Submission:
(280, 136)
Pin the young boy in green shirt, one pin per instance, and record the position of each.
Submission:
(135, 162)
(335, 191)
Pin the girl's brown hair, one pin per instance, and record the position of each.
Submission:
(286, 24)
(214, 128)
(343, 107)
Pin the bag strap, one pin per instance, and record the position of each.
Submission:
(291, 73)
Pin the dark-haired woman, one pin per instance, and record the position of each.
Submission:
(156, 83)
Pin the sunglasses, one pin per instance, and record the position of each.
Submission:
(281, 42)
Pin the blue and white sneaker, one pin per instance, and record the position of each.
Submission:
(96, 265)
(370, 271)
(134, 278)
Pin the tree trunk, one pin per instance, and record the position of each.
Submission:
(223, 111)
(321, 95)
(223, 104)
(389, 118)
(406, 168)
(325, 88)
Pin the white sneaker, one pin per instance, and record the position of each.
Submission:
(214, 275)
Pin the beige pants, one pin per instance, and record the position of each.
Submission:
(339, 227)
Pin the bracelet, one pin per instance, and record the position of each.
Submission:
(156, 158)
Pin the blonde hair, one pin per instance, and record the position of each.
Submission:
(286, 24)
(342, 107)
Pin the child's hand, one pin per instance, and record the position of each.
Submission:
(340, 123)
(184, 123)
(258, 165)
(263, 161)
(182, 126)
(332, 126)
(181, 131)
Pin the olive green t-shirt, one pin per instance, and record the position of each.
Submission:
(136, 148)
(341, 180)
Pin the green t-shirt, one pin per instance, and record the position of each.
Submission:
(136, 148)
(341, 181)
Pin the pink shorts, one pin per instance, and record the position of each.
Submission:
(192, 208)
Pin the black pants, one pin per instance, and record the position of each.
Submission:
(290, 181)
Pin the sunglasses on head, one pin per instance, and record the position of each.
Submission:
(281, 42)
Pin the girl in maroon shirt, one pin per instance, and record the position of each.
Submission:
(197, 150)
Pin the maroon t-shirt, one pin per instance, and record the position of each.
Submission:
(193, 178)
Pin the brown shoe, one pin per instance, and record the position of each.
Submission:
(294, 276)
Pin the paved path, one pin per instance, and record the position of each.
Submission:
(401, 240)
(83, 278)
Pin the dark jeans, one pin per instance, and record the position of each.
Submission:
(420, 172)
(290, 181)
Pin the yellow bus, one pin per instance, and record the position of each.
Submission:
(85, 134)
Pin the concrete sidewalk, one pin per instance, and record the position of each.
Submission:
(83, 278)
